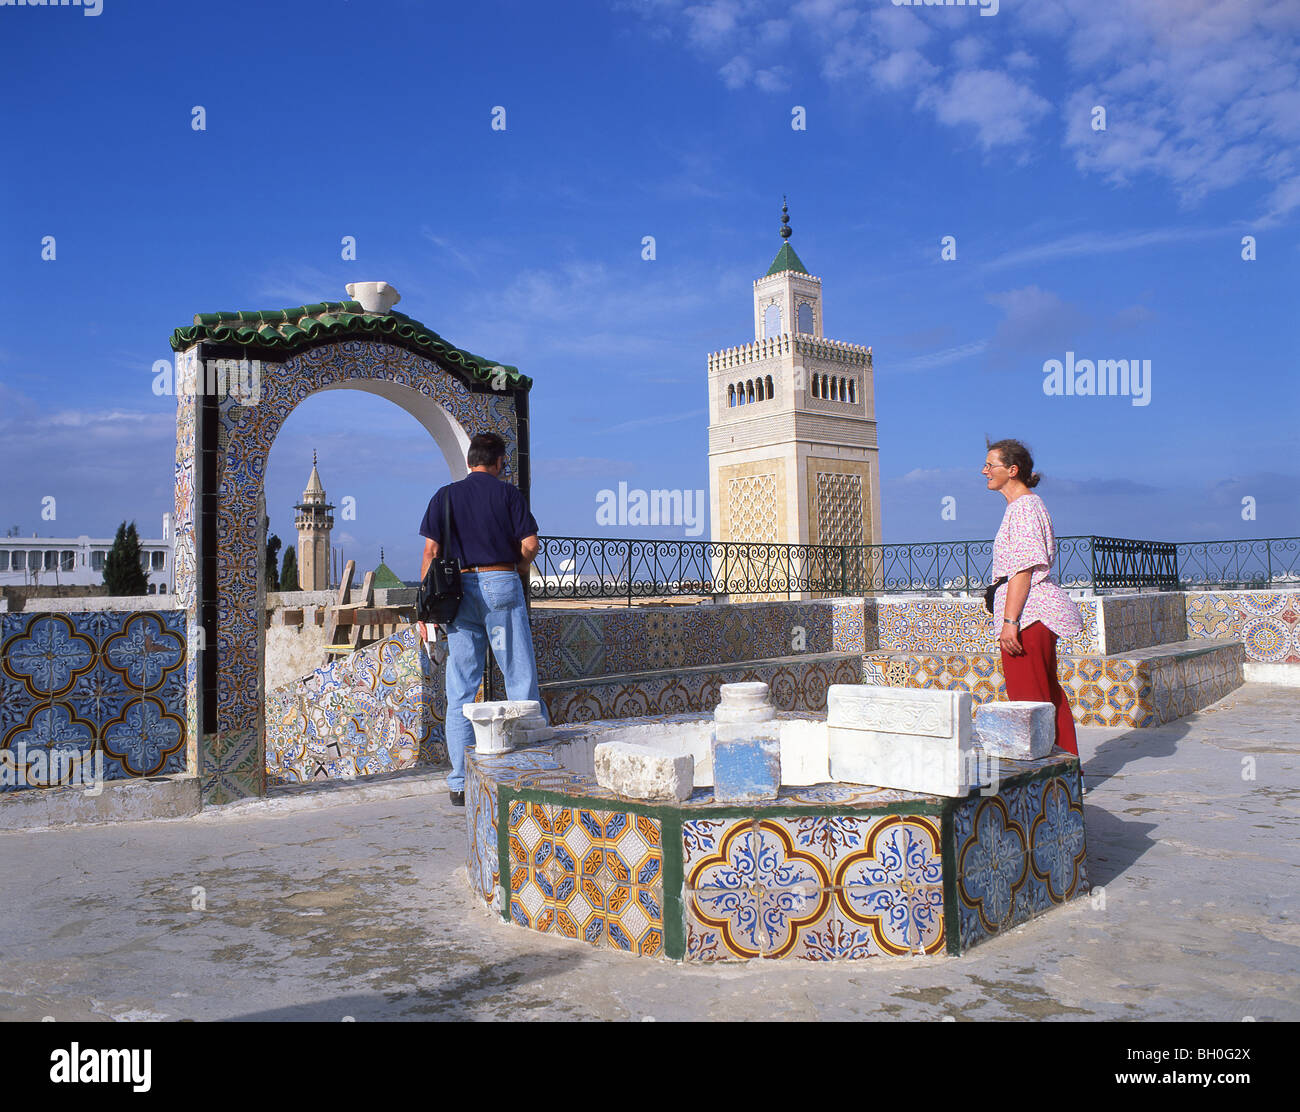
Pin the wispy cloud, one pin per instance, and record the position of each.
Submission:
(663, 419)
(938, 358)
(1084, 244)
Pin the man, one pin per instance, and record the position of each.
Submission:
(494, 537)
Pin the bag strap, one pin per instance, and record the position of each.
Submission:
(447, 523)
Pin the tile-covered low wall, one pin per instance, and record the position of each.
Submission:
(91, 693)
(1128, 622)
(575, 644)
(1144, 687)
(797, 684)
(379, 710)
(956, 625)
(1267, 623)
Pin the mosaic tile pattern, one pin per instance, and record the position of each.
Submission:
(589, 874)
(1019, 853)
(379, 710)
(483, 859)
(815, 887)
(1144, 688)
(1267, 623)
(79, 687)
(960, 625)
(245, 435)
(574, 644)
(1129, 622)
(796, 683)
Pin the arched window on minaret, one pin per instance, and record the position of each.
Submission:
(772, 321)
(770, 392)
(826, 386)
(841, 393)
(731, 397)
(816, 385)
(758, 387)
(749, 391)
(853, 393)
(740, 393)
(806, 318)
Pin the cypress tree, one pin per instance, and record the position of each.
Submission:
(123, 574)
(272, 555)
(289, 570)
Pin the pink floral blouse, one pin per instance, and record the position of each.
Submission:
(1025, 540)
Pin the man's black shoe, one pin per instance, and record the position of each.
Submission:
(458, 799)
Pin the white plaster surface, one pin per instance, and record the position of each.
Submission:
(915, 739)
(640, 772)
(1285, 675)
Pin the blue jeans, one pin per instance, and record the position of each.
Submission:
(491, 612)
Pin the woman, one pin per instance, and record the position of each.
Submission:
(1031, 611)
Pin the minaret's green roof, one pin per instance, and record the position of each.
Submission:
(384, 577)
(786, 259)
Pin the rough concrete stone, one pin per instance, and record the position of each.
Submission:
(916, 739)
(1020, 731)
(158, 797)
(639, 772)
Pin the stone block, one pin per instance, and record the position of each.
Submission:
(1019, 731)
(639, 772)
(915, 739)
(746, 769)
(805, 758)
(501, 725)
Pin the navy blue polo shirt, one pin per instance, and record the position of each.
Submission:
(488, 520)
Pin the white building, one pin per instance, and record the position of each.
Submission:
(79, 561)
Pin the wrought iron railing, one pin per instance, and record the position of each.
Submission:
(595, 568)
(1271, 562)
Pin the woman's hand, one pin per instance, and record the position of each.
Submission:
(1009, 641)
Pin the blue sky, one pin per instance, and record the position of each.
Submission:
(669, 119)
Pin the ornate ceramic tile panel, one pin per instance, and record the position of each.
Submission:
(91, 686)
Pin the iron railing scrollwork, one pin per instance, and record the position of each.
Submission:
(596, 568)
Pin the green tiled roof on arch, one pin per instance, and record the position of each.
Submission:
(288, 331)
(786, 259)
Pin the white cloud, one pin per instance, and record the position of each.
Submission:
(1098, 243)
(1001, 109)
(936, 358)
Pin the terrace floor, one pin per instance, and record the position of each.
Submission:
(352, 902)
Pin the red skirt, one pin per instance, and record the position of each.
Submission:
(1032, 678)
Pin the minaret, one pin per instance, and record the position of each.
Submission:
(793, 456)
(314, 522)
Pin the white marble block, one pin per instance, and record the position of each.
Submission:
(1019, 731)
(500, 726)
(805, 757)
(639, 772)
(916, 739)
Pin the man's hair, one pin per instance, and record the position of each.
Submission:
(485, 449)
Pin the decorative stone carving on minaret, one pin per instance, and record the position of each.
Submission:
(792, 431)
(314, 521)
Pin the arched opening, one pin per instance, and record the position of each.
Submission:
(740, 393)
(770, 392)
(758, 389)
(772, 321)
(805, 318)
(731, 397)
(749, 390)
(853, 393)
(816, 387)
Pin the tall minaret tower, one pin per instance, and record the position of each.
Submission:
(793, 456)
(314, 522)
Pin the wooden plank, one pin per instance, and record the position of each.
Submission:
(345, 596)
(367, 600)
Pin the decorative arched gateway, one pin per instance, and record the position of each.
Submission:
(239, 376)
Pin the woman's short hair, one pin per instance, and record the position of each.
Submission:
(485, 449)
(1015, 454)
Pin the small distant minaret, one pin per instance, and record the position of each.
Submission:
(314, 522)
